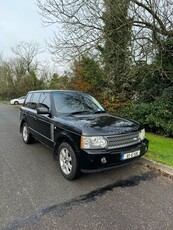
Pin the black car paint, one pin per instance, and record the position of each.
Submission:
(53, 128)
(100, 124)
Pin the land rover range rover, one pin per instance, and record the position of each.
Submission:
(82, 135)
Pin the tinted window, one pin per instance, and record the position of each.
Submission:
(44, 100)
(68, 102)
(28, 99)
(34, 100)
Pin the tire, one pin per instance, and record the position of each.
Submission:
(68, 162)
(26, 135)
(16, 103)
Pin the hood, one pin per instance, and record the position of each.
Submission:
(100, 124)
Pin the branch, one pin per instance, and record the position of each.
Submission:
(152, 27)
(149, 10)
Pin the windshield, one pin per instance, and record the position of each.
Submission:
(73, 102)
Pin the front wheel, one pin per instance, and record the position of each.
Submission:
(26, 135)
(16, 103)
(68, 162)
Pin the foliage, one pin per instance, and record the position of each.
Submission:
(164, 60)
(156, 116)
(117, 37)
(59, 82)
(20, 74)
(6, 82)
(87, 71)
(148, 82)
(164, 53)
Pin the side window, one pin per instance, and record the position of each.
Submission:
(34, 100)
(27, 100)
(44, 100)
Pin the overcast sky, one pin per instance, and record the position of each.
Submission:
(20, 21)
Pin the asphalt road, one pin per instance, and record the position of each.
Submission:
(34, 195)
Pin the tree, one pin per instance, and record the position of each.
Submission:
(15, 80)
(117, 36)
(6, 80)
(82, 24)
(151, 79)
(88, 75)
(91, 28)
(125, 34)
(27, 51)
(59, 82)
(152, 22)
(79, 26)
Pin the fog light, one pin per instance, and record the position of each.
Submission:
(103, 160)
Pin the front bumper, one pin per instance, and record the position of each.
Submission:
(91, 160)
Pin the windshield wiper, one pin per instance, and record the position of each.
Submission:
(80, 112)
(101, 111)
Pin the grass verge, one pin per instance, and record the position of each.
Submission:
(160, 149)
(5, 102)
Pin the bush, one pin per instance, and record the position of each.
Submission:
(157, 116)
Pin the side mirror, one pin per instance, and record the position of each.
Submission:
(43, 110)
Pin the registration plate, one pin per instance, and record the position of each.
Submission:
(126, 156)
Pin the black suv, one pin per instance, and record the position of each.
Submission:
(84, 138)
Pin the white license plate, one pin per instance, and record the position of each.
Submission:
(126, 156)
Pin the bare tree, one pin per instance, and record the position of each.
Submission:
(152, 24)
(27, 51)
(155, 15)
(82, 25)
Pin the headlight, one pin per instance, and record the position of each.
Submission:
(96, 142)
(142, 134)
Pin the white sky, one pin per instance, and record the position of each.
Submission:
(20, 21)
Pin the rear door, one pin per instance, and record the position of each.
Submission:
(31, 112)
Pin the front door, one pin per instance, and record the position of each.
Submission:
(43, 122)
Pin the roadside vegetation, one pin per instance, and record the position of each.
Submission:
(120, 51)
(160, 149)
(4, 102)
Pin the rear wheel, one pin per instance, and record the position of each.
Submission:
(26, 135)
(16, 103)
(68, 162)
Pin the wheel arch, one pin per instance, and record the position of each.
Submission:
(64, 137)
(21, 124)
(16, 103)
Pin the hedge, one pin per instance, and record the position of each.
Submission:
(157, 116)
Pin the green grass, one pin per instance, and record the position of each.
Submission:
(160, 149)
(5, 102)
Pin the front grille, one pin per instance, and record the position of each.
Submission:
(123, 140)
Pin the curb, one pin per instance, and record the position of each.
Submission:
(164, 170)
